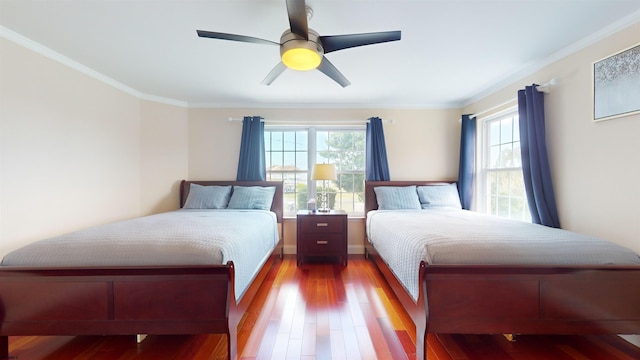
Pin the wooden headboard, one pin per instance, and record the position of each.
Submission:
(370, 201)
(276, 206)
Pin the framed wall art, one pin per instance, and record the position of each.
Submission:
(616, 85)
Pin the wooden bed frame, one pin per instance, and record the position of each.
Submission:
(501, 299)
(129, 300)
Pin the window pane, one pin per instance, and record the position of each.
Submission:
(289, 140)
(322, 138)
(506, 131)
(504, 191)
(267, 142)
(346, 150)
(494, 157)
(286, 156)
(517, 209)
(302, 140)
(276, 158)
(288, 159)
(302, 161)
(517, 159)
(494, 133)
(517, 184)
(321, 158)
(503, 206)
(276, 140)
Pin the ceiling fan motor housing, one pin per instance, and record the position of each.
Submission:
(300, 54)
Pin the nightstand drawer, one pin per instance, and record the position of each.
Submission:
(322, 244)
(322, 224)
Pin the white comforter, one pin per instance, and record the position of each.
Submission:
(403, 238)
(182, 237)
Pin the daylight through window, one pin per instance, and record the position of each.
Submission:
(292, 151)
(501, 183)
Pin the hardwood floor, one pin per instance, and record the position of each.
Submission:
(323, 311)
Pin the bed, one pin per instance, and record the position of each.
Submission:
(487, 293)
(175, 287)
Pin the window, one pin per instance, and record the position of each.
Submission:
(501, 183)
(292, 151)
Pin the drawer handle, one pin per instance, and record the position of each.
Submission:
(322, 224)
(322, 242)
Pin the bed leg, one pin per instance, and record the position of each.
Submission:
(140, 338)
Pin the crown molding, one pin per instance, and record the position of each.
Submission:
(55, 56)
(529, 69)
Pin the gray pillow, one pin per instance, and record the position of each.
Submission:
(207, 197)
(397, 197)
(439, 196)
(252, 197)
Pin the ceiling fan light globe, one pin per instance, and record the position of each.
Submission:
(301, 59)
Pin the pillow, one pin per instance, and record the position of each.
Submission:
(252, 197)
(439, 196)
(397, 197)
(207, 197)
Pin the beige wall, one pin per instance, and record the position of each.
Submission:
(77, 152)
(164, 155)
(595, 165)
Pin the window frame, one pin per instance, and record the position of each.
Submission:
(482, 199)
(312, 150)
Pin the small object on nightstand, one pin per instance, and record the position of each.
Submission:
(311, 205)
(322, 234)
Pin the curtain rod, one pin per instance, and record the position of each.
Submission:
(390, 121)
(545, 88)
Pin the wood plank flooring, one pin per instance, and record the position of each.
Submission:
(323, 311)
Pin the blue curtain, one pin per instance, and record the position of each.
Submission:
(377, 166)
(467, 166)
(252, 165)
(535, 161)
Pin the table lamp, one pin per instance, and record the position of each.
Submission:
(324, 172)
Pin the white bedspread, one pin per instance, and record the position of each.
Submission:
(182, 237)
(403, 238)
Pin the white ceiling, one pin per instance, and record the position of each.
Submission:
(451, 52)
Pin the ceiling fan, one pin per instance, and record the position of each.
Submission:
(303, 49)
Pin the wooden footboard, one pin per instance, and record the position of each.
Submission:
(531, 299)
(122, 301)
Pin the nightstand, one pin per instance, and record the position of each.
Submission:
(322, 234)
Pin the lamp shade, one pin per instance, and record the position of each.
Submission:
(324, 172)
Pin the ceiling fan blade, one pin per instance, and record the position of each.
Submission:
(327, 68)
(279, 69)
(234, 37)
(339, 42)
(297, 10)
